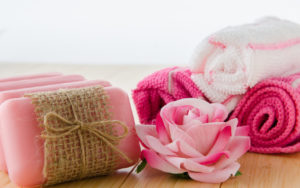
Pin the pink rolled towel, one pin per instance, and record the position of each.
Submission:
(160, 88)
(272, 111)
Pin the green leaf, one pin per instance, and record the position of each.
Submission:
(141, 166)
(238, 173)
(184, 175)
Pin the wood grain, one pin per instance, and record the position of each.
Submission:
(114, 180)
(265, 170)
(5, 181)
(150, 178)
(258, 170)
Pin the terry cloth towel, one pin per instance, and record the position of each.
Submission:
(272, 111)
(229, 62)
(160, 88)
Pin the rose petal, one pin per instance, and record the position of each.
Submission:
(161, 130)
(242, 131)
(175, 161)
(182, 148)
(204, 118)
(217, 176)
(143, 131)
(205, 107)
(174, 116)
(157, 146)
(189, 165)
(212, 158)
(195, 114)
(191, 123)
(169, 115)
(222, 140)
(173, 146)
(177, 133)
(179, 113)
(238, 146)
(187, 149)
(233, 123)
(220, 112)
(196, 167)
(155, 161)
(205, 135)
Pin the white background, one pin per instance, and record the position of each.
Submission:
(121, 32)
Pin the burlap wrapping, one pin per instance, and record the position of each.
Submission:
(79, 137)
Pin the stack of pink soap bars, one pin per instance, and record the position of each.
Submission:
(20, 147)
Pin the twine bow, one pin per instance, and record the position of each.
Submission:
(79, 126)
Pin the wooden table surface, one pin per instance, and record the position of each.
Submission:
(258, 170)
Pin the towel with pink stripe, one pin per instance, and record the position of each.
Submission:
(234, 59)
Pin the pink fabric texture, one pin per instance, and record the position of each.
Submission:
(272, 111)
(160, 88)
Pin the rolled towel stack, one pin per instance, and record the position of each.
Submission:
(272, 111)
(231, 61)
(252, 69)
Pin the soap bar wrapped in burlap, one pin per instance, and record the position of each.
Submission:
(80, 140)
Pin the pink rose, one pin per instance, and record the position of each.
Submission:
(191, 136)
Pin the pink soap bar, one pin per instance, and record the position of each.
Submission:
(24, 150)
(5, 95)
(28, 77)
(4, 86)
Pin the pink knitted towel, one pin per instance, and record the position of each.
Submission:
(160, 88)
(272, 110)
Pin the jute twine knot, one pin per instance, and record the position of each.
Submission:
(80, 126)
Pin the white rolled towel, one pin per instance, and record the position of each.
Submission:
(234, 59)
